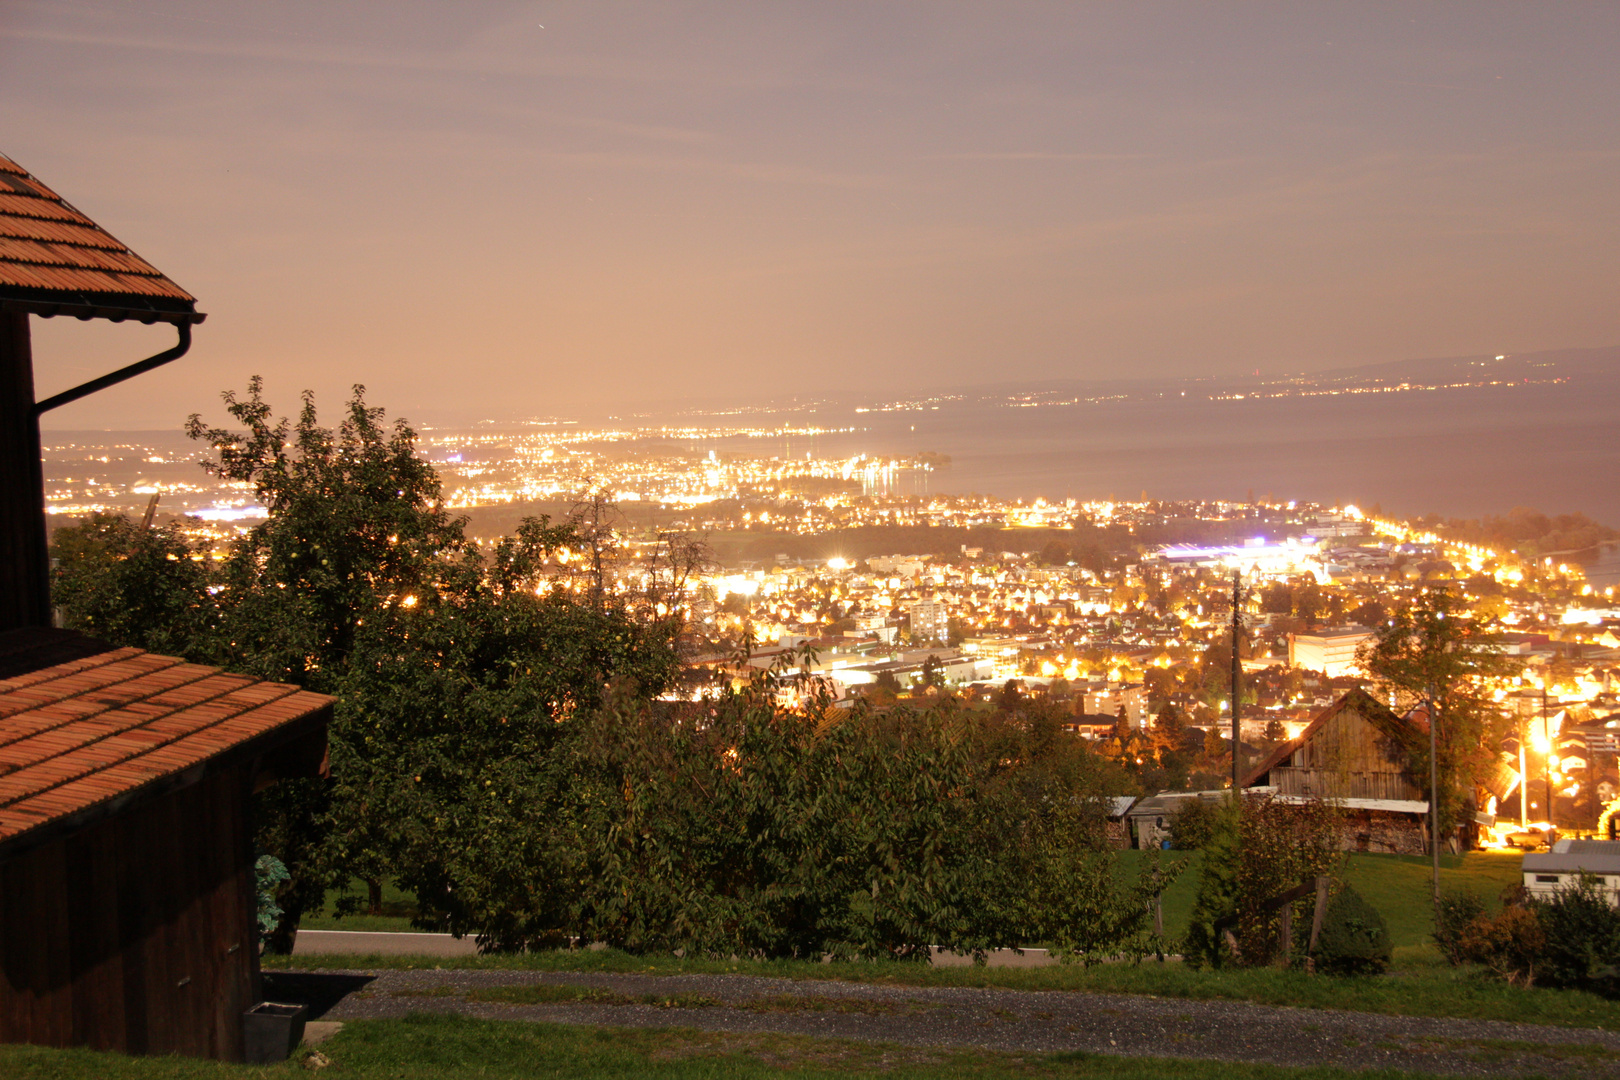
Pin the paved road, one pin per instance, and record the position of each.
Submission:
(386, 943)
(994, 1019)
(380, 943)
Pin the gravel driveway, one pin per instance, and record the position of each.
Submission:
(993, 1019)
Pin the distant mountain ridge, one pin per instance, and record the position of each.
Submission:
(1533, 365)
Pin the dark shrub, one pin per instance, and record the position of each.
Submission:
(1354, 939)
(1582, 931)
(1193, 825)
(1456, 912)
(1508, 944)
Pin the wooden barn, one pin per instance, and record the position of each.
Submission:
(1353, 752)
(127, 901)
(127, 898)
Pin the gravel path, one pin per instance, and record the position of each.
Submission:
(993, 1019)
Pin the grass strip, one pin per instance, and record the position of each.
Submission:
(438, 1047)
(1419, 987)
(569, 993)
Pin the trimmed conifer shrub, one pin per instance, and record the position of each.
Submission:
(1355, 940)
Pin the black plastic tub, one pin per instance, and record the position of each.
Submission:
(271, 1031)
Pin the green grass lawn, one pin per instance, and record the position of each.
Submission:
(1397, 885)
(432, 1047)
(398, 908)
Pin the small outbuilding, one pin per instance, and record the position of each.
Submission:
(127, 890)
(1568, 860)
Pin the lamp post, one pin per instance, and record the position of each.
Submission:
(1546, 733)
(1524, 779)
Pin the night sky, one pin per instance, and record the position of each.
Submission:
(508, 209)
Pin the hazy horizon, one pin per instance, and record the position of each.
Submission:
(563, 207)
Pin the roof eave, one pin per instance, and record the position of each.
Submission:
(314, 722)
(114, 307)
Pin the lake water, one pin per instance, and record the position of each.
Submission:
(1458, 452)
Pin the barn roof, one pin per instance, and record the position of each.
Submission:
(86, 729)
(1371, 709)
(56, 261)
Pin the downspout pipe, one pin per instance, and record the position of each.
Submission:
(140, 367)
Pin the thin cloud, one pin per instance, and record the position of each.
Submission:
(1033, 155)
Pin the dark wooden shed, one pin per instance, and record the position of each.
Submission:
(127, 898)
(127, 894)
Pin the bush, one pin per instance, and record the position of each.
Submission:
(1582, 932)
(1194, 825)
(1456, 912)
(1509, 944)
(1258, 850)
(1354, 940)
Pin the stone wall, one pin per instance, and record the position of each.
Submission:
(1381, 830)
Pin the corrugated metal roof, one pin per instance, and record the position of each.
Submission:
(100, 727)
(51, 253)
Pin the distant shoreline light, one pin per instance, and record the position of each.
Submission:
(230, 513)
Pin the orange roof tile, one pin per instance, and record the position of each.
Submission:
(56, 261)
(96, 728)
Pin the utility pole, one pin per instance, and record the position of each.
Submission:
(1237, 598)
(1434, 796)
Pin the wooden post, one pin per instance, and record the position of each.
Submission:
(1322, 882)
(1286, 935)
(1158, 922)
(25, 589)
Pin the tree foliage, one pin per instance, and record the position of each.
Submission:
(1260, 847)
(360, 584)
(497, 746)
(1437, 651)
(737, 826)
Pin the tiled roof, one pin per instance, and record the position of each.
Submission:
(51, 254)
(97, 729)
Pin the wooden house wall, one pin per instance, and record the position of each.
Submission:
(1347, 758)
(136, 934)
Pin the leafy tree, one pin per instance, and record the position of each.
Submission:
(737, 827)
(448, 669)
(143, 587)
(1259, 848)
(1435, 651)
(1216, 757)
(931, 673)
(1167, 732)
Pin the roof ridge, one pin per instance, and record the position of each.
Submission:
(285, 689)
